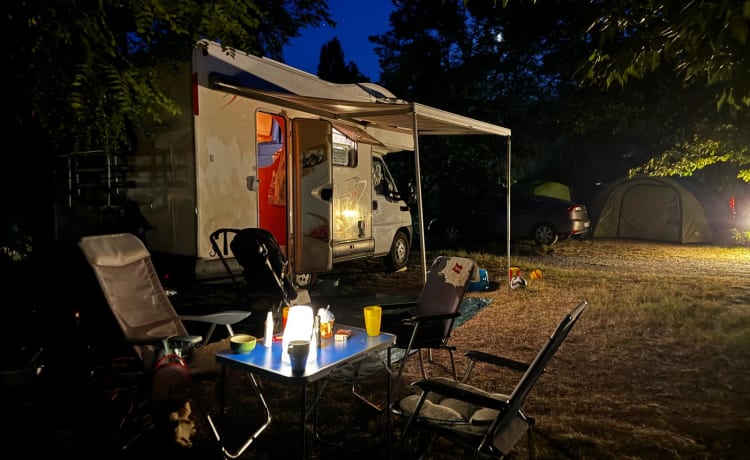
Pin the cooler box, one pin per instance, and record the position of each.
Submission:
(483, 284)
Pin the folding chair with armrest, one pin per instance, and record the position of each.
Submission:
(490, 424)
(427, 323)
(148, 320)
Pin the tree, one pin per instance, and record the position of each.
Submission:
(82, 75)
(704, 46)
(506, 65)
(331, 65)
(86, 72)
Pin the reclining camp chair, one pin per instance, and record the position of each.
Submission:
(172, 357)
(490, 424)
(427, 324)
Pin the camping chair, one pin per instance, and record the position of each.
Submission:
(263, 262)
(490, 424)
(427, 324)
(172, 357)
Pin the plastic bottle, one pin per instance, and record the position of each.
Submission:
(268, 337)
(316, 331)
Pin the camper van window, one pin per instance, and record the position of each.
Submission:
(344, 150)
(383, 181)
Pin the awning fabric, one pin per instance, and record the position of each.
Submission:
(394, 115)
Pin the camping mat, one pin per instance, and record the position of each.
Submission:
(374, 362)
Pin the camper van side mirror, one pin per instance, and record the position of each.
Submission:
(411, 193)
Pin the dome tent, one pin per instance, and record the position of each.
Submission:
(652, 208)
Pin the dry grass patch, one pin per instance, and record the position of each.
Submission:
(657, 366)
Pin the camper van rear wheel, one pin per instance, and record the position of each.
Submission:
(399, 255)
(545, 234)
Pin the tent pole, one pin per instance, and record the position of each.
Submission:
(420, 209)
(507, 216)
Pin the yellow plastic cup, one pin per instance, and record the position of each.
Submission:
(372, 319)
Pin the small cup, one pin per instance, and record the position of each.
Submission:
(372, 319)
(242, 343)
(298, 352)
(326, 329)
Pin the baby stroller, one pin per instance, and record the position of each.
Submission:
(266, 282)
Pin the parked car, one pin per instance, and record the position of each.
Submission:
(541, 218)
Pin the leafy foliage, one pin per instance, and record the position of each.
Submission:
(510, 66)
(703, 46)
(83, 76)
(88, 71)
(699, 41)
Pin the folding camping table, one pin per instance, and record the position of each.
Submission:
(332, 355)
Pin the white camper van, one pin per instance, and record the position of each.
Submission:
(232, 159)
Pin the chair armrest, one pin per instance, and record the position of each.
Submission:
(398, 307)
(177, 340)
(140, 341)
(222, 317)
(426, 318)
(462, 394)
(481, 356)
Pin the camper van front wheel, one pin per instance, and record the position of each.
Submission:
(399, 255)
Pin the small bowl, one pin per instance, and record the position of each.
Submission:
(242, 343)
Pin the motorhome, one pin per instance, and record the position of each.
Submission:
(232, 158)
(259, 144)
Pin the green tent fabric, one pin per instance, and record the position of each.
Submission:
(545, 188)
(652, 208)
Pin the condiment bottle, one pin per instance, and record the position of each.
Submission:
(268, 337)
(316, 331)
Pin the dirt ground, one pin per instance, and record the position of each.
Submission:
(624, 385)
(632, 381)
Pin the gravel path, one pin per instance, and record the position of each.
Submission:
(647, 257)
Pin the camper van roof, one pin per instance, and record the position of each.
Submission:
(268, 74)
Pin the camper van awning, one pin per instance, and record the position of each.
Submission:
(391, 115)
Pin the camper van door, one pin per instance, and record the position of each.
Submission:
(313, 200)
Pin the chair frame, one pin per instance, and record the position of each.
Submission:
(420, 320)
(509, 410)
(111, 253)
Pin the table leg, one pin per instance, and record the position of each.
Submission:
(222, 404)
(303, 420)
(388, 398)
(218, 429)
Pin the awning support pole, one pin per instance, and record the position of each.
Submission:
(507, 210)
(420, 209)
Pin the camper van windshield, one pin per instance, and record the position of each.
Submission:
(344, 150)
